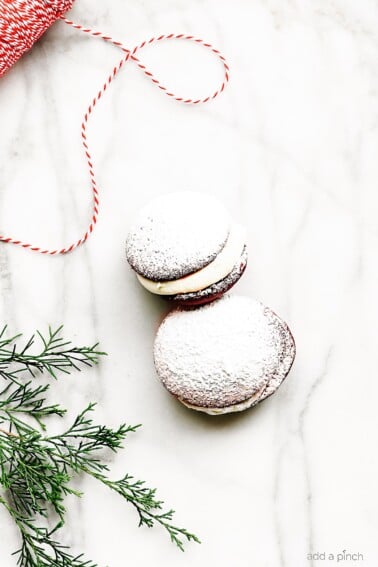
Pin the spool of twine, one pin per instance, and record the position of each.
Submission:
(22, 23)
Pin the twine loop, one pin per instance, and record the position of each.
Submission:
(23, 22)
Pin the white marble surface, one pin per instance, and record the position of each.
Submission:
(291, 147)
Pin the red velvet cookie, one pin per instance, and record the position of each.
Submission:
(223, 357)
(185, 247)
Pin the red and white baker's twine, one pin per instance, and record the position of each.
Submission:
(22, 22)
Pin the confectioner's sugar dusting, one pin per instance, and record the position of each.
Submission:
(286, 357)
(176, 235)
(253, 400)
(224, 353)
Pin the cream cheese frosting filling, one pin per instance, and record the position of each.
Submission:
(218, 269)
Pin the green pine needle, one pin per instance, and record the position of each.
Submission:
(36, 469)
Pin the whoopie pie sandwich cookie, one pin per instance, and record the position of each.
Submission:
(185, 247)
(223, 357)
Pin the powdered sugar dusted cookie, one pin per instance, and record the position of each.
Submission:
(223, 357)
(185, 247)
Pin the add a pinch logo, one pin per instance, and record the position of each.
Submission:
(337, 557)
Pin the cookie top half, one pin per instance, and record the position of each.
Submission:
(177, 234)
(223, 354)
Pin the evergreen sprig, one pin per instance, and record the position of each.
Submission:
(36, 469)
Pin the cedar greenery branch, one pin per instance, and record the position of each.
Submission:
(36, 468)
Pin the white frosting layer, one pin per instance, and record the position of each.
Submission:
(213, 272)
